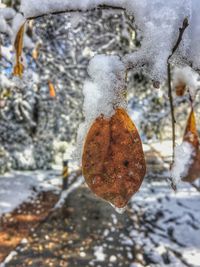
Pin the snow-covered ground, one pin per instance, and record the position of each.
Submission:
(169, 224)
(17, 187)
(164, 228)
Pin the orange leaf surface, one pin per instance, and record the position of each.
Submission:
(113, 160)
(52, 90)
(35, 52)
(18, 44)
(191, 136)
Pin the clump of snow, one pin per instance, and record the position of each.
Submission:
(28, 43)
(33, 7)
(7, 12)
(10, 256)
(158, 22)
(113, 258)
(182, 161)
(187, 77)
(4, 27)
(5, 82)
(119, 210)
(65, 193)
(76, 18)
(190, 48)
(99, 254)
(103, 92)
(6, 52)
(26, 157)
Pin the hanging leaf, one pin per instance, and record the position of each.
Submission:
(52, 90)
(113, 160)
(18, 45)
(191, 136)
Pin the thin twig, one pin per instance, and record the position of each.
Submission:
(172, 109)
(100, 7)
(181, 31)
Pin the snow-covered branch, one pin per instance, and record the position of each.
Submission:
(157, 21)
(58, 12)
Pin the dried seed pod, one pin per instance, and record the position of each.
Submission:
(191, 136)
(113, 160)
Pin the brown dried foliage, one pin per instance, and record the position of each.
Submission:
(18, 45)
(35, 53)
(113, 160)
(191, 136)
(52, 91)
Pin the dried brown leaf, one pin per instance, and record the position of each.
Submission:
(52, 90)
(18, 45)
(35, 53)
(113, 160)
(191, 136)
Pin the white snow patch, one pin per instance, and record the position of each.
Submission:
(102, 93)
(165, 210)
(65, 193)
(113, 258)
(6, 52)
(8, 258)
(7, 12)
(99, 253)
(82, 254)
(106, 233)
(182, 161)
(17, 187)
(114, 218)
(188, 77)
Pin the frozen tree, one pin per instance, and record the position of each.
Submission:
(160, 46)
(60, 49)
(148, 39)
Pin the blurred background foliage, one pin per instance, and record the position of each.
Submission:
(36, 129)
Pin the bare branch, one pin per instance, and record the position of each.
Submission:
(181, 32)
(100, 7)
(172, 108)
